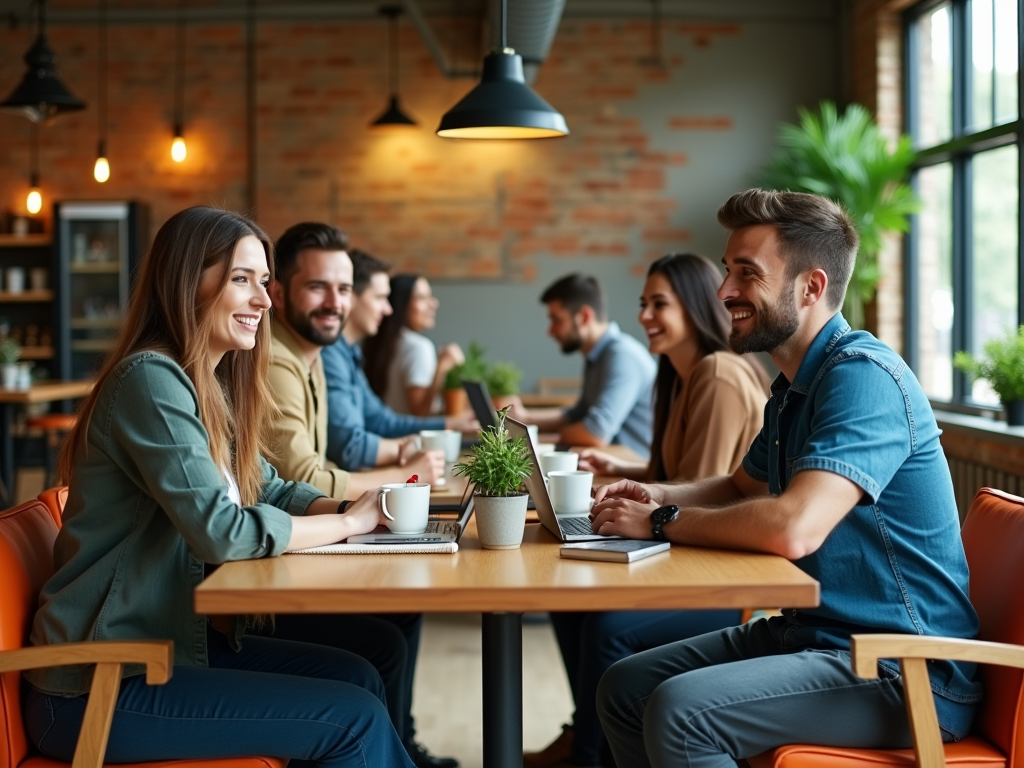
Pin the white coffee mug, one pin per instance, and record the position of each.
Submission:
(406, 506)
(570, 492)
(436, 440)
(15, 279)
(562, 461)
(452, 444)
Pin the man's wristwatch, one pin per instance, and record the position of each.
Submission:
(660, 517)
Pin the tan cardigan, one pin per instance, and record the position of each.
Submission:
(715, 416)
(299, 435)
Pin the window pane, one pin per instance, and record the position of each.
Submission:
(994, 200)
(1006, 60)
(934, 228)
(934, 86)
(981, 57)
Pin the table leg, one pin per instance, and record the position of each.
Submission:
(502, 635)
(6, 452)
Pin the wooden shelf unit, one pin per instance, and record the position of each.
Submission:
(95, 268)
(37, 353)
(25, 241)
(25, 297)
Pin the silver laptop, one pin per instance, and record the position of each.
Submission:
(438, 530)
(563, 527)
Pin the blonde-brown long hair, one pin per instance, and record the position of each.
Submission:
(165, 314)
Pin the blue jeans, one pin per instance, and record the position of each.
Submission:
(389, 641)
(728, 695)
(315, 705)
(592, 642)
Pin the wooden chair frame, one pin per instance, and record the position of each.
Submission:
(109, 657)
(913, 652)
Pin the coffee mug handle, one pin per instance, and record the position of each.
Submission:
(383, 504)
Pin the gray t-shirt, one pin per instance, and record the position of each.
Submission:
(615, 404)
(413, 365)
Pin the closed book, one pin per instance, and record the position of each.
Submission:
(343, 548)
(615, 550)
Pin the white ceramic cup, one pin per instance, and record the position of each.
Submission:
(570, 492)
(437, 440)
(406, 506)
(452, 446)
(15, 279)
(561, 461)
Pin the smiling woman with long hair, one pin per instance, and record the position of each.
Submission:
(166, 479)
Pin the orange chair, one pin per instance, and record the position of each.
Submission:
(55, 500)
(27, 533)
(993, 536)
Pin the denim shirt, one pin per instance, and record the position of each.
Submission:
(356, 417)
(896, 562)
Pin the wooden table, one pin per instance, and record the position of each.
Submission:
(502, 585)
(40, 392)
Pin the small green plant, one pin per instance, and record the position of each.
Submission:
(474, 368)
(1002, 365)
(499, 463)
(9, 351)
(503, 379)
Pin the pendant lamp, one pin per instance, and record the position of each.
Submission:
(178, 149)
(502, 106)
(41, 95)
(101, 170)
(393, 116)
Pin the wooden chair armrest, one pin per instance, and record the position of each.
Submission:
(155, 654)
(913, 652)
(108, 656)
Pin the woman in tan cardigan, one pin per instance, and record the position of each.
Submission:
(708, 407)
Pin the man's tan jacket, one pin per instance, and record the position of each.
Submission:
(299, 441)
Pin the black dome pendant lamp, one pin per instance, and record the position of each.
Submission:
(502, 106)
(393, 116)
(41, 95)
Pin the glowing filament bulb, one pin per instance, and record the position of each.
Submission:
(101, 171)
(178, 149)
(34, 201)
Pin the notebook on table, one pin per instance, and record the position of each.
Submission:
(440, 537)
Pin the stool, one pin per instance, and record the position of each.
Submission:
(56, 427)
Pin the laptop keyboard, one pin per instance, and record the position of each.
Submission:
(443, 527)
(576, 525)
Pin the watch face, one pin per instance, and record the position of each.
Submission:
(664, 514)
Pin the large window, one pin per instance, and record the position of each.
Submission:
(964, 255)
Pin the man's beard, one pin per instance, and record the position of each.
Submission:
(572, 343)
(774, 325)
(303, 325)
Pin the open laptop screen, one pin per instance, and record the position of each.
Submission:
(480, 399)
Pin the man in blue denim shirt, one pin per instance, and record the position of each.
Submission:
(847, 479)
(361, 430)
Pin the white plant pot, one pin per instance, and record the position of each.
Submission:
(500, 520)
(10, 375)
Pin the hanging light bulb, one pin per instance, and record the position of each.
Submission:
(34, 201)
(178, 149)
(101, 171)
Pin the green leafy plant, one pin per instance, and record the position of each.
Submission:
(499, 463)
(846, 158)
(1002, 365)
(473, 368)
(9, 351)
(503, 379)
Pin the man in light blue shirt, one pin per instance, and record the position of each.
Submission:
(847, 479)
(362, 431)
(618, 375)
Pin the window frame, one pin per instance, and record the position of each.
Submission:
(958, 151)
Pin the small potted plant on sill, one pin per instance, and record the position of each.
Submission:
(503, 383)
(9, 354)
(473, 368)
(497, 469)
(1002, 366)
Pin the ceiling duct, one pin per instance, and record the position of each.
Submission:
(532, 25)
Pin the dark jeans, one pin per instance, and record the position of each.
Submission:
(315, 705)
(389, 641)
(592, 642)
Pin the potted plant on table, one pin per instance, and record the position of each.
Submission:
(9, 354)
(1002, 366)
(497, 468)
(503, 383)
(473, 368)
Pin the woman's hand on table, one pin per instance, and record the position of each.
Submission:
(364, 514)
(320, 525)
(600, 463)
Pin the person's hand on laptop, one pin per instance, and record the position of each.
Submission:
(620, 516)
(463, 422)
(364, 514)
(629, 490)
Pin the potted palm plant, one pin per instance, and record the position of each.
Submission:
(497, 468)
(503, 383)
(1002, 366)
(847, 159)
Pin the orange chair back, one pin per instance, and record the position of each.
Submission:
(993, 536)
(55, 499)
(27, 533)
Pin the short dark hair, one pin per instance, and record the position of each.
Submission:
(364, 267)
(300, 237)
(575, 291)
(815, 232)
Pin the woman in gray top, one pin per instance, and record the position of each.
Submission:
(166, 479)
